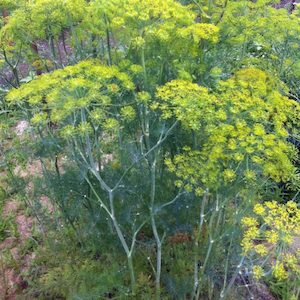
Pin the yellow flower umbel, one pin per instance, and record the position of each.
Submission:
(279, 272)
(84, 92)
(259, 209)
(258, 272)
(143, 25)
(238, 129)
(229, 175)
(268, 236)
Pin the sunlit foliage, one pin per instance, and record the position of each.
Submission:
(158, 126)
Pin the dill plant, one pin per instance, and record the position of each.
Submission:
(173, 123)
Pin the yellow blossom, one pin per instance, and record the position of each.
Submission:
(84, 128)
(39, 118)
(247, 245)
(128, 113)
(143, 97)
(259, 209)
(67, 131)
(250, 175)
(287, 238)
(249, 222)
(258, 130)
(229, 175)
(279, 272)
(258, 272)
(138, 42)
(271, 236)
(261, 249)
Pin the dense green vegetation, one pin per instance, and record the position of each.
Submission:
(156, 145)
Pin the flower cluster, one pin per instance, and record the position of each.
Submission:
(187, 101)
(201, 31)
(42, 19)
(269, 235)
(8, 4)
(157, 17)
(77, 98)
(143, 25)
(242, 129)
(258, 23)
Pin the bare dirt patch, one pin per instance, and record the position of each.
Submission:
(11, 281)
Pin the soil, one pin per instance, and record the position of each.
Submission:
(11, 281)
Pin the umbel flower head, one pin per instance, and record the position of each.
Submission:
(40, 19)
(77, 98)
(241, 129)
(270, 234)
(152, 29)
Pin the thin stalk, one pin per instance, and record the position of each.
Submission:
(63, 38)
(159, 142)
(108, 40)
(59, 54)
(211, 242)
(123, 242)
(284, 54)
(235, 275)
(171, 202)
(111, 214)
(78, 46)
(196, 244)
(158, 241)
(226, 269)
(144, 68)
(102, 204)
(13, 68)
(94, 48)
(52, 47)
(131, 271)
(57, 167)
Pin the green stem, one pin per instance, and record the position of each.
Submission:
(144, 68)
(196, 245)
(122, 240)
(108, 41)
(132, 276)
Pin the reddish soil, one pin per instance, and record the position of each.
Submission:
(11, 281)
